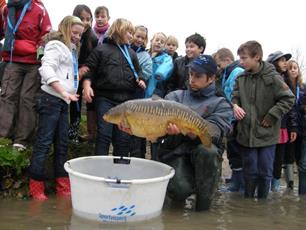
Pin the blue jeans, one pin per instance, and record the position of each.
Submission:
(258, 162)
(52, 128)
(107, 132)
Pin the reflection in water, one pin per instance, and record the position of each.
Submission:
(230, 211)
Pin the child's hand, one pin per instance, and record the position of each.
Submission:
(88, 94)
(141, 84)
(82, 71)
(239, 113)
(293, 136)
(158, 78)
(71, 97)
(265, 123)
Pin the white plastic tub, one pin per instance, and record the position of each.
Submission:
(114, 189)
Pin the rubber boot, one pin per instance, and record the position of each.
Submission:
(62, 186)
(263, 188)
(249, 188)
(289, 174)
(207, 165)
(275, 185)
(302, 183)
(237, 181)
(37, 190)
(91, 126)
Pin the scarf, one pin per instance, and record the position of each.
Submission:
(100, 30)
(12, 8)
(137, 49)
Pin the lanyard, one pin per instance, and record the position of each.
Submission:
(75, 75)
(297, 93)
(14, 29)
(129, 60)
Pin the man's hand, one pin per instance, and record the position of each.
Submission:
(124, 129)
(172, 129)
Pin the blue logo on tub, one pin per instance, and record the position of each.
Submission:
(119, 214)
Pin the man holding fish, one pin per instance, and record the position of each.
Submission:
(197, 163)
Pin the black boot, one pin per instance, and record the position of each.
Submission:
(207, 166)
(302, 183)
(263, 188)
(249, 188)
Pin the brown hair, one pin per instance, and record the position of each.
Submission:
(101, 8)
(117, 30)
(252, 48)
(224, 53)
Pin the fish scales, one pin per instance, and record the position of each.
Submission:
(150, 118)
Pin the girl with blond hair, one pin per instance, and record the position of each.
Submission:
(114, 76)
(59, 73)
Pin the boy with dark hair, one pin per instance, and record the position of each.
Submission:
(195, 45)
(229, 70)
(260, 99)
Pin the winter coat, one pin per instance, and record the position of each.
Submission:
(145, 61)
(111, 74)
(34, 25)
(180, 75)
(57, 65)
(162, 68)
(228, 77)
(262, 95)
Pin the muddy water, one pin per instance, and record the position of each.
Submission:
(285, 210)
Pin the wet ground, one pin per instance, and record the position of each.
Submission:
(230, 211)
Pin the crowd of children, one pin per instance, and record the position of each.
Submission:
(257, 106)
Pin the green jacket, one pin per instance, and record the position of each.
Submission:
(261, 95)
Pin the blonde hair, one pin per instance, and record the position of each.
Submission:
(145, 29)
(118, 29)
(64, 29)
(299, 80)
(158, 34)
(173, 40)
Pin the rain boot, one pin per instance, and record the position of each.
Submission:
(302, 183)
(91, 126)
(62, 186)
(250, 187)
(275, 185)
(263, 188)
(289, 174)
(37, 190)
(237, 181)
(207, 166)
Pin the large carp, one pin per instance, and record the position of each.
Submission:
(150, 118)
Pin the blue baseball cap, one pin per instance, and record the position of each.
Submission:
(204, 64)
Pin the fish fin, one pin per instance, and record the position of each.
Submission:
(152, 139)
(206, 139)
(155, 97)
